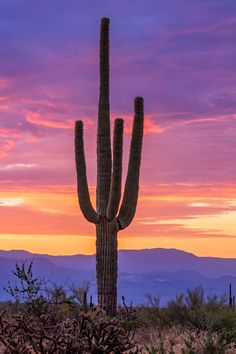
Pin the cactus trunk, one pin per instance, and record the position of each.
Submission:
(106, 265)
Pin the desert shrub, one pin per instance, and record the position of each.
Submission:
(55, 293)
(162, 346)
(79, 294)
(92, 333)
(225, 319)
(26, 291)
(187, 309)
(189, 313)
(194, 311)
(153, 300)
(152, 315)
(184, 341)
(215, 344)
(153, 312)
(210, 343)
(27, 287)
(60, 321)
(36, 296)
(177, 310)
(215, 303)
(202, 321)
(130, 317)
(51, 318)
(194, 298)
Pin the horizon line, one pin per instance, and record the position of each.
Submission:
(119, 250)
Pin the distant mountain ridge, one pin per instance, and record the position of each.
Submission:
(163, 271)
(141, 261)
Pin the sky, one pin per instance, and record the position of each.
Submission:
(180, 55)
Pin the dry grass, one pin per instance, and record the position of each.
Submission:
(175, 340)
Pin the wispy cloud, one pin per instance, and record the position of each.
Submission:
(11, 202)
(5, 147)
(17, 166)
(39, 119)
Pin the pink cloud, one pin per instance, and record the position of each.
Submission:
(39, 119)
(5, 147)
(149, 125)
(5, 133)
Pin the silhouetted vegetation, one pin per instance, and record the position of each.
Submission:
(192, 323)
(47, 318)
(50, 318)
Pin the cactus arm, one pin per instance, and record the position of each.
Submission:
(104, 163)
(130, 197)
(115, 191)
(82, 184)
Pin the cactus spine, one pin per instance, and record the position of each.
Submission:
(108, 217)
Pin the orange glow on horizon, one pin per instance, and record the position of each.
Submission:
(71, 244)
(202, 224)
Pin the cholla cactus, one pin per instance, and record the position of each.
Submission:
(108, 217)
(90, 332)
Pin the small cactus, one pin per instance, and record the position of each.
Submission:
(230, 296)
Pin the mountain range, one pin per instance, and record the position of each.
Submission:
(166, 272)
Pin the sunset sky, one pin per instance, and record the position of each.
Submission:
(180, 55)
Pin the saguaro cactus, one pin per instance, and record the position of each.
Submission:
(108, 217)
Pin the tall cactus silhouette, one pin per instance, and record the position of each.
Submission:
(108, 217)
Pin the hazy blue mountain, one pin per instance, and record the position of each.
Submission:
(163, 271)
(44, 269)
(135, 287)
(143, 261)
